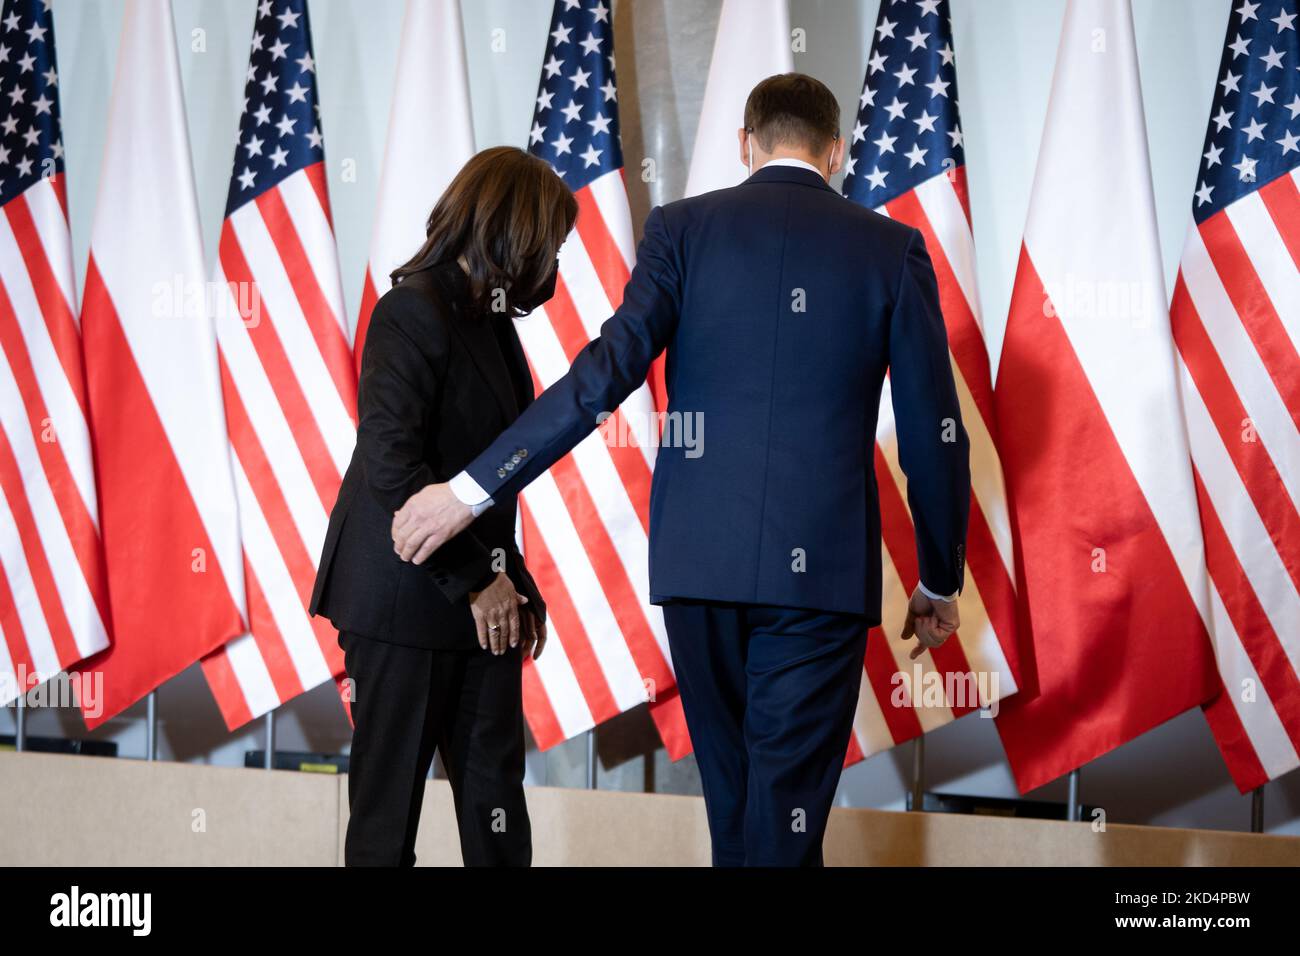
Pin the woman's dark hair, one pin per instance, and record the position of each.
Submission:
(506, 214)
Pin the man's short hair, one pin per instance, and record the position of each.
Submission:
(792, 110)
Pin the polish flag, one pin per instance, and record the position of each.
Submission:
(430, 137)
(167, 498)
(753, 43)
(1112, 581)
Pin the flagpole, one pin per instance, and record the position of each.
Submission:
(1257, 809)
(20, 723)
(1073, 809)
(151, 726)
(918, 772)
(270, 739)
(591, 759)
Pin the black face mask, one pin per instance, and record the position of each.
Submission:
(543, 295)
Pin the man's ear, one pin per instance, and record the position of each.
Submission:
(743, 138)
(837, 156)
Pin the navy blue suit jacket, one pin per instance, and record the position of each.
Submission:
(782, 305)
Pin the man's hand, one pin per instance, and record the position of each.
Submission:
(496, 614)
(430, 518)
(534, 634)
(930, 622)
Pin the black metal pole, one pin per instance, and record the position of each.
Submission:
(1074, 808)
(918, 772)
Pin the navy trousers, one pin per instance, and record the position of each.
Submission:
(769, 695)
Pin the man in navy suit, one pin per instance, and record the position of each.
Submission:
(782, 306)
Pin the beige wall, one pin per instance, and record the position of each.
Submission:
(82, 811)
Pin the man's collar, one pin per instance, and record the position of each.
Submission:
(789, 171)
(791, 161)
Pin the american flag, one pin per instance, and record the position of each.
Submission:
(286, 371)
(907, 161)
(1236, 322)
(53, 606)
(586, 521)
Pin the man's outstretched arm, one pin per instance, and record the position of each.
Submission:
(603, 374)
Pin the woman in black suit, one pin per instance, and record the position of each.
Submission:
(434, 650)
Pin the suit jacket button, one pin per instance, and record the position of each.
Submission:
(501, 472)
(522, 453)
(514, 460)
(510, 466)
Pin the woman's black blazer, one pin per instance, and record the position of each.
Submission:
(437, 385)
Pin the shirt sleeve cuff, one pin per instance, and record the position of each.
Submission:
(930, 594)
(469, 492)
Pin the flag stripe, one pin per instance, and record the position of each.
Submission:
(299, 227)
(1277, 674)
(589, 696)
(369, 296)
(1207, 304)
(965, 340)
(1282, 199)
(614, 581)
(900, 538)
(1236, 518)
(48, 293)
(315, 372)
(1256, 311)
(68, 525)
(1274, 270)
(227, 689)
(549, 366)
(289, 395)
(15, 652)
(596, 240)
(610, 195)
(1258, 474)
(282, 544)
(39, 574)
(567, 542)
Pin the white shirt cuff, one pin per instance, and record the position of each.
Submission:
(471, 493)
(935, 597)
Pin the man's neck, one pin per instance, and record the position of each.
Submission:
(791, 159)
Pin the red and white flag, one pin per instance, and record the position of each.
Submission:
(1093, 440)
(167, 501)
(907, 161)
(53, 605)
(430, 137)
(286, 371)
(586, 521)
(1236, 321)
(752, 43)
